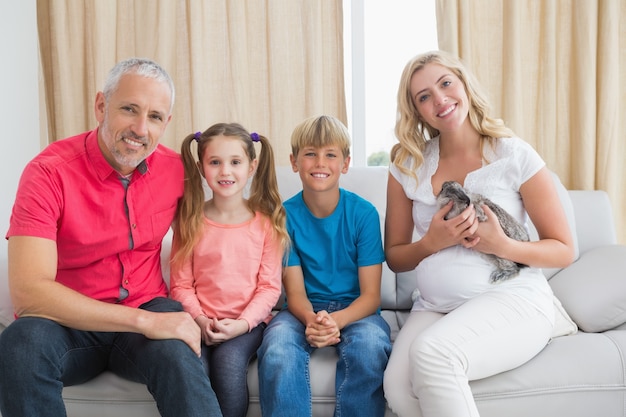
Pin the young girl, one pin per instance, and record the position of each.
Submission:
(227, 253)
(463, 327)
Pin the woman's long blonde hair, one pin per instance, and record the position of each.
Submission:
(413, 132)
(264, 196)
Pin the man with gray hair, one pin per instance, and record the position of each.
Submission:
(84, 260)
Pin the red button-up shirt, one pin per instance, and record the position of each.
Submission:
(108, 237)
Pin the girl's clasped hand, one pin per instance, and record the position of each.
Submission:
(216, 331)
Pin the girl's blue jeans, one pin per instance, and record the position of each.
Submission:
(227, 365)
(38, 357)
(284, 379)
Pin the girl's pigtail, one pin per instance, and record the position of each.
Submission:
(188, 220)
(264, 195)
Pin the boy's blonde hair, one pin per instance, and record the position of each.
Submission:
(320, 131)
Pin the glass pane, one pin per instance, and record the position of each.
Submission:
(395, 31)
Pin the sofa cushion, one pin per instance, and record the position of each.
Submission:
(593, 289)
(578, 373)
(108, 395)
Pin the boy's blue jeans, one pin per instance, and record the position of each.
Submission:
(39, 356)
(284, 356)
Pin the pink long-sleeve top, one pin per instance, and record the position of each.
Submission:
(234, 272)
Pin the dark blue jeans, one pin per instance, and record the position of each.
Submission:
(39, 356)
(227, 367)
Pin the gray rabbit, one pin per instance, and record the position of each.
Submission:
(453, 191)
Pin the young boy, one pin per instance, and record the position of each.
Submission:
(332, 280)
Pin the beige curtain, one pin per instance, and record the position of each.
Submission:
(266, 64)
(556, 73)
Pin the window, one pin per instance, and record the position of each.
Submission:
(379, 38)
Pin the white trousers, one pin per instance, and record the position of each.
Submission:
(436, 355)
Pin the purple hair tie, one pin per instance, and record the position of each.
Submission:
(254, 136)
(197, 136)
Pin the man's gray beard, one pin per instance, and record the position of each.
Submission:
(126, 160)
(122, 160)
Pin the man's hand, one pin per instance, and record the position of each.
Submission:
(176, 325)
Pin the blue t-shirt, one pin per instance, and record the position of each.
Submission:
(330, 250)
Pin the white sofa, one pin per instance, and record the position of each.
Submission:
(580, 375)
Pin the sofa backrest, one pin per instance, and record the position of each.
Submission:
(594, 219)
(397, 289)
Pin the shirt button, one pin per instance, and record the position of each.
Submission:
(125, 282)
(134, 226)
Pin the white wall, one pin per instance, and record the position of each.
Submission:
(19, 102)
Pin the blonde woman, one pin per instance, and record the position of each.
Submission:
(463, 327)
